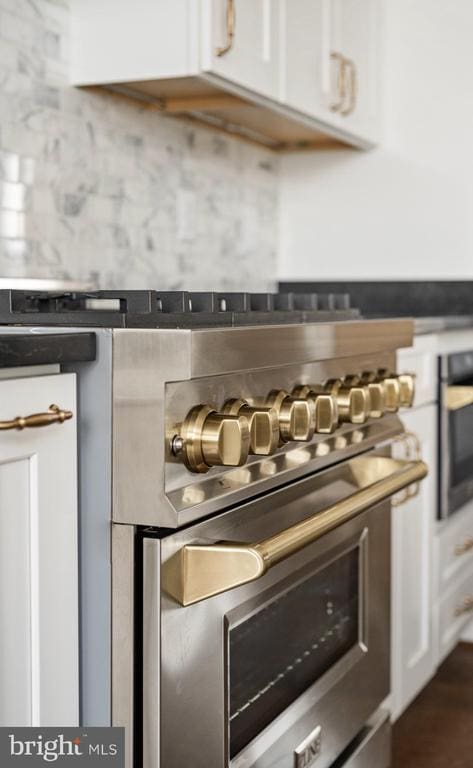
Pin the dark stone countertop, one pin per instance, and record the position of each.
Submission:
(22, 349)
(435, 306)
(397, 298)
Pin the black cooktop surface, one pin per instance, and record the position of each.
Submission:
(170, 309)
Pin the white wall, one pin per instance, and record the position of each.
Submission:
(405, 209)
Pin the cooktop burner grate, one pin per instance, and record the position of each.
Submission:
(170, 309)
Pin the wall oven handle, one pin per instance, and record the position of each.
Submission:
(459, 397)
(198, 571)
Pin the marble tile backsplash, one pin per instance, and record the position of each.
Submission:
(98, 189)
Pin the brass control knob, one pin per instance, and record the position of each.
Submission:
(263, 423)
(353, 401)
(296, 417)
(376, 394)
(209, 439)
(405, 386)
(407, 389)
(392, 390)
(326, 408)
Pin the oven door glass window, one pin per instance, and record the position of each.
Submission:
(288, 643)
(461, 430)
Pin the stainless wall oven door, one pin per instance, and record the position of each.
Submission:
(456, 428)
(295, 660)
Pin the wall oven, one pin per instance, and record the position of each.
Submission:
(272, 623)
(456, 430)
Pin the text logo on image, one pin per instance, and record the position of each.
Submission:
(37, 746)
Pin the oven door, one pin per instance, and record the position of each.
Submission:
(287, 667)
(457, 461)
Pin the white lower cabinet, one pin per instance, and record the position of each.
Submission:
(454, 610)
(413, 646)
(38, 557)
(455, 548)
(454, 578)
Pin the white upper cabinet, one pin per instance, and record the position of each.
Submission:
(282, 72)
(121, 41)
(305, 80)
(240, 43)
(331, 63)
(355, 34)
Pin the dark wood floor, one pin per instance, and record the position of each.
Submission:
(436, 731)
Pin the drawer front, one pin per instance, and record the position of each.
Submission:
(455, 548)
(424, 366)
(373, 747)
(455, 610)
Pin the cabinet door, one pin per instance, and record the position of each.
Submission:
(413, 646)
(355, 44)
(38, 557)
(252, 60)
(306, 68)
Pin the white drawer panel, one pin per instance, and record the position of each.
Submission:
(455, 611)
(455, 547)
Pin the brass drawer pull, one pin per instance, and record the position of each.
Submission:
(197, 571)
(55, 415)
(465, 607)
(464, 547)
(230, 29)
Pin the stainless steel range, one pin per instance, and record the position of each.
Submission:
(248, 482)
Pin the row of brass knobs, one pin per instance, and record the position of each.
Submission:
(208, 438)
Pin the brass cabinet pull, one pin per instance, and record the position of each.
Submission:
(341, 81)
(464, 547)
(347, 85)
(352, 80)
(459, 397)
(466, 606)
(197, 572)
(231, 19)
(54, 415)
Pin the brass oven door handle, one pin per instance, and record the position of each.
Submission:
(458, 397)
(197, 572)
(231, 19)
(54, 415)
